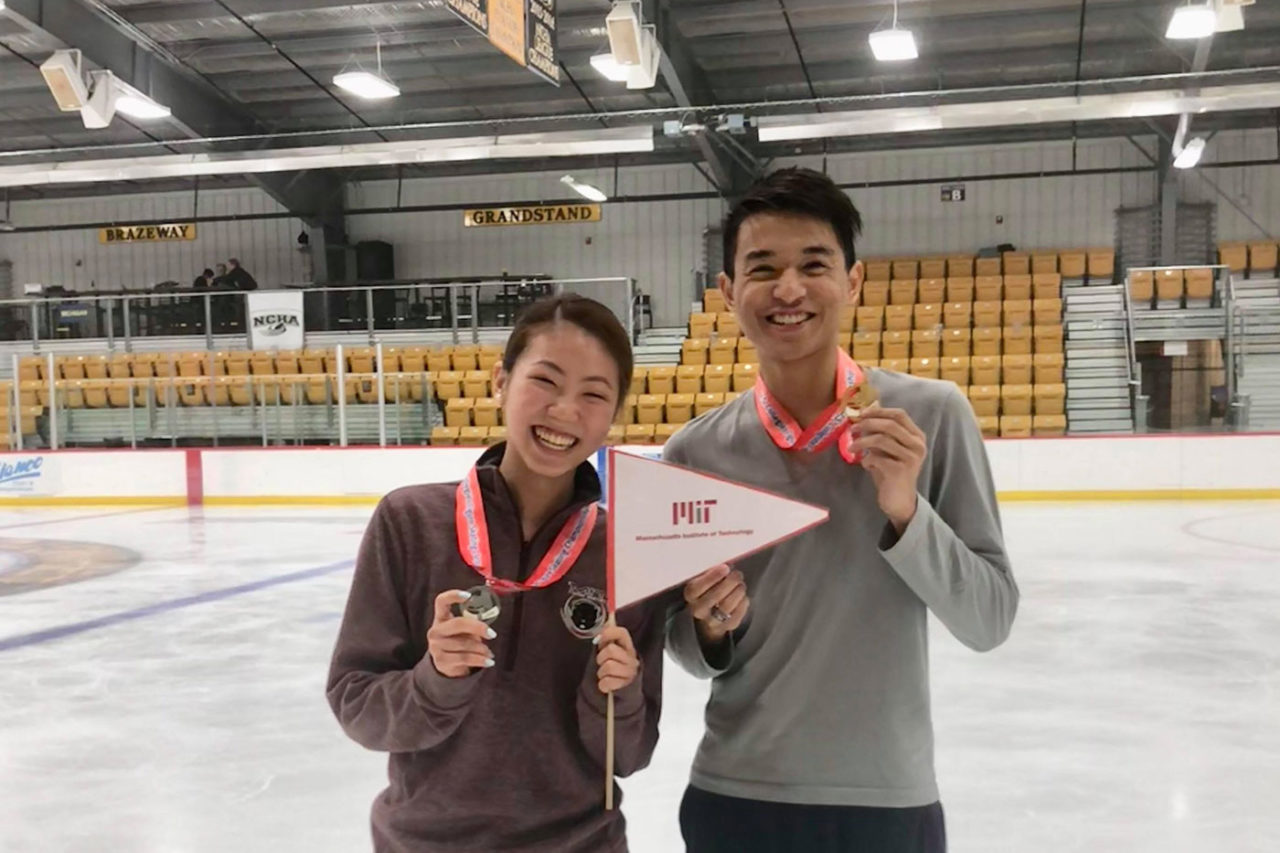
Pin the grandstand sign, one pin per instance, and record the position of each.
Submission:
(541, 214)
(147, 233)
(524, 30)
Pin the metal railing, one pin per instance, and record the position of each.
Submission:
(459, 309)
(1137, 401)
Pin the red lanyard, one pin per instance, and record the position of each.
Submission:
(832, 425)
(473, 540)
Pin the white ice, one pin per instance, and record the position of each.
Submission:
(1135, 708)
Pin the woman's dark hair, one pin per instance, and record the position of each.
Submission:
(798, 191)
(585, 313)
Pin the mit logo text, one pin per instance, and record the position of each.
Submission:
(691, 512)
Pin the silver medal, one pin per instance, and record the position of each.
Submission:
(483, 605)
(584, 612)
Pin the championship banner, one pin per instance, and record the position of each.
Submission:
(524, 30)
(546, 214)
(147, 233)
(275, 319)
(668, 524)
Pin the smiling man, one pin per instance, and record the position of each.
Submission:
(819, 736)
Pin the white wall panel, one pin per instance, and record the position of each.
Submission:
(75, 258)
(1256, 189)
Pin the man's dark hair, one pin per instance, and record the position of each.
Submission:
(587, 314)
(801, 192)
(207, 272)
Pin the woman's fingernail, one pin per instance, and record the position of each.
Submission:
(488, 663)
(595, 641)
(464, 595)
(490, 634)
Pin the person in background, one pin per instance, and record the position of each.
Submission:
(204, 281)
(497, 731)
(220, 279)
(819, 736)
(238, 277)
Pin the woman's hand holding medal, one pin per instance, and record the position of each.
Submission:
(456, 644)
(718, 601)
(617, 663)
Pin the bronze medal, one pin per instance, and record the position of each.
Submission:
(584, 612)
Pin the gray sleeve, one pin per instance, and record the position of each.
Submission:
(682, 636)
(952, 553)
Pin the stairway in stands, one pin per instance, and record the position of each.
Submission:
(1097, 363)
(1257, 344)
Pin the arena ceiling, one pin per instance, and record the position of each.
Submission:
(239, 67)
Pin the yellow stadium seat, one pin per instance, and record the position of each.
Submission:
(662, 380)
(93, 391)
(702, 324)
(1017, 341)
(988, 288)
(990, 426)
(1016, 263)
(649, 408)
(1046, 286)
(1199, 288)
(1235, 256)
(95, 366)
(1017, 312)
(866, 346)
(360, 360)
(985, 370)
(1262, 259)
(448, 385)
(1017, 286)
(875, 294)
(487, 412)
(639, 380)
(985, 400)
(928, 315)
(1049, 425)
(961, 289)
(727, 325)
(31, 368)
(955, 369)
(1047, 312)
(475, 383)
(1101, 264)
(723, 351)
(956, 342)
(960, 266)
(639, 433)
(704, 403)
(1015, 426)
(713, 301)
(987, 266)
(679, 408)
(1048, 339)
(895, 345)
(925, 367)
(1016, 369)
(1044, 262)
(717, 378)
(472, 436)
(688, 379)
(263, 363)
(489, 356)
(443, 436)
(412, 359)
(29, 392)
(1047, 367)
(895, 365)
(986, 341)
(313, 361)
(192, 390)
(932, 291)
(957, 315)
(933, 268)
(906, 268)
(319, 389)
(744, 377)
(848, 314)
(1169, 288)
(119, 366)
(898, 318)
(1050, 399)
(870, 319)
(439, 360)
(458, 411)
(694, 351)
(1015, 399)
(1072, 265)
(465, 357)
(1142, 288)
(498, 434)
(747, 352)
(987, 315)
(627, 413)
(617, 434)
(926, 343)
(662, 432)
(902, 292)
(879, 270)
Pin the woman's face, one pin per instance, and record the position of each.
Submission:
(559, 399)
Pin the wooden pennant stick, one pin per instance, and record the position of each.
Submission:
(609, 741)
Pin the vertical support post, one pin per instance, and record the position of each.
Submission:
(133, 420)
(35, 326)
(368, 311)
(208, 321)
(53, 402)
(213, 395)
(1168, 193)
(475, 313)
(16, 405)
(128, 332)
(453, 311)
(341, 393)
(382, 406)
(631, 310)
(111, 325)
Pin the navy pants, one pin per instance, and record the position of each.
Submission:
(712, 823)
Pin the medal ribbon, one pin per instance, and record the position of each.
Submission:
(832, 425)
(473, 540)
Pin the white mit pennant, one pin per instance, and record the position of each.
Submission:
(668, 524)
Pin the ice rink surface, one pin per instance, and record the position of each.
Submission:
(167, 697)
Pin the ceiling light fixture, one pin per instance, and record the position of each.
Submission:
(587, 191)
(112, 95)
(625, 26)
(1190, 154)
(63, 75)
(894, 44)
(608, 67)
(367, 84)
(1193, 21)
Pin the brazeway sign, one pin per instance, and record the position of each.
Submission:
(147, 233)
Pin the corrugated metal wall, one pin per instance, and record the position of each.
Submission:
(1256, 189)
(75, 259)
(657, 243)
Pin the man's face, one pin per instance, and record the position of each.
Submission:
(789, 285)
